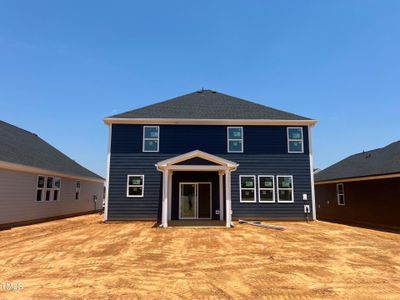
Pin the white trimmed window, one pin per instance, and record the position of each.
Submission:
(48, 188)
(266, 188)
(295, 140)
(285, 188)
(340, 193)
(235, 139)
(247, 188)
(151, 138)
(77, 190)
(135, 186)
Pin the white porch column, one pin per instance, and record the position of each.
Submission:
(169, 194)
(228, 198)
(221, 195)
(164, 210)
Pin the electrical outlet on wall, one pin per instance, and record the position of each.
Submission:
(217, 211)
(307, 209)
(305, 197)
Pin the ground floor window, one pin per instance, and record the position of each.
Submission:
(340, 193)
(285, 188)
(48, 188)
(247, 188)
(135, 186)
(266, 189)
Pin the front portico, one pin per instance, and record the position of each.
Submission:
(198, 187)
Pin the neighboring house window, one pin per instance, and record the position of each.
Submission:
(285, 188)
(48, 188)
(266, 188)
(247, 188)
(151, 138)
(135, 186)
(340, 193)
(77, 190)
(56, 188)
(40, 188)
(235, 139)
(295, 140)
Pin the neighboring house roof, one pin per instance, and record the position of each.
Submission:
(382, 161)
(22, 147)
(211, 105)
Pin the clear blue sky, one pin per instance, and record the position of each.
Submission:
(64, 65)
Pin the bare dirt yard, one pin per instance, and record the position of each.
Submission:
(81, 257)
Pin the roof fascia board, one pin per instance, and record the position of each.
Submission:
(208, 121)
(358, 179)
(35, 170)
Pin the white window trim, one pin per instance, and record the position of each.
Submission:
(44, 189)
(134, 185)
(284, 189)
(340, 194)
(152, 139)
(295, 140)
(268, 189)
(254, 188)
(228, 139)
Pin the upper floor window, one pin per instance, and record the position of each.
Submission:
(285, 188)
(235, 139)
(151, 138)
(135, 186)
(295, 140)
(48, 188)
(340, 193)
(247, 188)
(266, 188)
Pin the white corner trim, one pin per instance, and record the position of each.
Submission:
(105, 217)
(314, 209)
(35, 170)
(237, 122)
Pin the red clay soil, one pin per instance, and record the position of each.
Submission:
(83, 258)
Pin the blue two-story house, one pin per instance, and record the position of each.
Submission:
(209, 156)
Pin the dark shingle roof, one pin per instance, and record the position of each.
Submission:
(207, 104)
(25, 148)
(380, 161)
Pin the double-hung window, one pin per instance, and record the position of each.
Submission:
(295, 140)
(247, 188)
(151, 138)
(235, 139)
(285, 188)
(135, 186)
(340, 193)
(266, 188)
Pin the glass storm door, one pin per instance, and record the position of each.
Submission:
(195, 201)
(188, 201)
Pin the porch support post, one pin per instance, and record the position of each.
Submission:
(228, 198)
(221, 195)
(164, 211)
(169, 194)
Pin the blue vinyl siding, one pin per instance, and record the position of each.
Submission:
(265, 153)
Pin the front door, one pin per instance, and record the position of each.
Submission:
(195, 200)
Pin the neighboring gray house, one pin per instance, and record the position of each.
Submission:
(38, 182)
